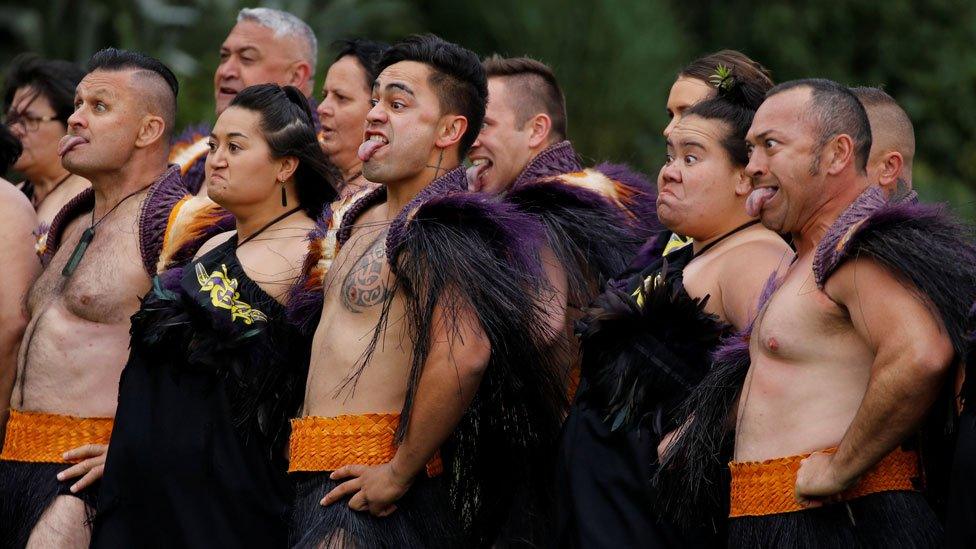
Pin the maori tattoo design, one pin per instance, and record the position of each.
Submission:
(364, 285)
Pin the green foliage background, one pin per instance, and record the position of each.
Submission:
(616, 59)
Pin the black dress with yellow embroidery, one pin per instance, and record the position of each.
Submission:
(197, 455)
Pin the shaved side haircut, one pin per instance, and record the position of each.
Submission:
(157, 82)
(535, 89)
(891, 126)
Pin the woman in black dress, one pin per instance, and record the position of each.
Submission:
(220, 348)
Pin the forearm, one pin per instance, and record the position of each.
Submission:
(443, 394)
(895, 403)
(9, 346)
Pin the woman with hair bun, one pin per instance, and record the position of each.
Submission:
(220, 348)
(647, 340)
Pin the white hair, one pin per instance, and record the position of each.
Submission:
(284, 24)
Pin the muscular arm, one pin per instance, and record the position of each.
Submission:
(458, 356)
(19, 266)
(913, 356)
(459, 353)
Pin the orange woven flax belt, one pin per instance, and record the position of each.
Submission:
(768, 487)
(42, 438)
(327, 443)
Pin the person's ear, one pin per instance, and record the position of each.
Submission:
(450, 131)
(892, 164)
(151, 129)
(541, 128)
(288, 166)
(840, 153)
(743, 183)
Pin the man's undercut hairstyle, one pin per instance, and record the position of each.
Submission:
(835, 110)
(736, 105)
(53, 79)
(366, 52)
(891, 116)
(534, 90)
(287, 125)
(456, 76)
(745, 68)
(285, 24)
(10, 149)
(160, 83)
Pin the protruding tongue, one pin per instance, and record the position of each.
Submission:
(757, 199)
(474, 176)
(367, 149)
(69, 142)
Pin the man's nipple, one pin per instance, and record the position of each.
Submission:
(772, 344)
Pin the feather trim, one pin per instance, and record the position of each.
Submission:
(192, 221)
(643, 352)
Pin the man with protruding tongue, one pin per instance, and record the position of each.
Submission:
(102, 248)
(428, 334)
(851, 350)
(265, 46)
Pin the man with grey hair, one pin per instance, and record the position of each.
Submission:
(892, 141)
(265, 46)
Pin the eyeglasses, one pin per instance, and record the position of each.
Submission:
(29, 123)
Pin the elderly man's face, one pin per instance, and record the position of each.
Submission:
(252, 55)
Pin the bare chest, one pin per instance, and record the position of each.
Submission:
(800, 321)
(109, 279)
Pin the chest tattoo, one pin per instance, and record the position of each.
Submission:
(364, 285)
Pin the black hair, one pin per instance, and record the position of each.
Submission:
(456, 76)
(53, 79)
(286, 123)
(10, 149)
(113, 59)
(835, 110)
(746, 69)
(736, 104)
(366, 52)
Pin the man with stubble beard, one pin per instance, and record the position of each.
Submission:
(103, 245)
(850, 350)
(430, 336)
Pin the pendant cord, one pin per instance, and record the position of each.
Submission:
(712, 244)
(267, 226)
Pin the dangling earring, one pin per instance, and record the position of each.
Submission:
(284, 196)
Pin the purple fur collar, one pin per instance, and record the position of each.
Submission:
(554, 160)
(830, 250)
(449, 183)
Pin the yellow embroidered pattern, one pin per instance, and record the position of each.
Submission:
(224, 295)
(675, 243)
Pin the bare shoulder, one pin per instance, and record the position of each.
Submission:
(763, 253)
(213, 243)
(16, 211)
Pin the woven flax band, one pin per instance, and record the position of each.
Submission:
(768, 487)
(42, 438)
(327, 443)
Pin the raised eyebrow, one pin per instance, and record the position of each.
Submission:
(400, 86)
(690, 143)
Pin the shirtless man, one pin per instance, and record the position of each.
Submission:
(77, 340)
(18, 269)
(850, 351)
(892, 141)
(346, 98)
(265, 46)
(381, 352)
